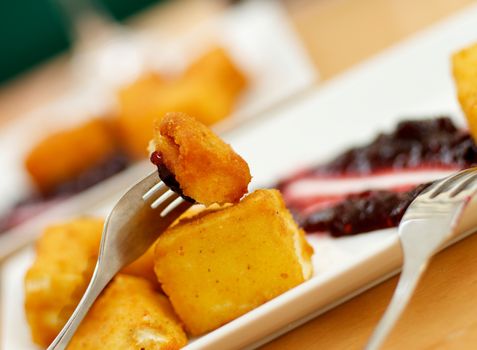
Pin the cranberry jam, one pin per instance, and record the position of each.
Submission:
(414, 143)
(413, 152)
(167, 176)
(435, 142)
(362, 212)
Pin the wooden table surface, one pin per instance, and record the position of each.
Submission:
(337, 34)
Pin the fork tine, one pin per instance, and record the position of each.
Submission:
(164, 200)
(447, 184)
(176, 210)
(432, 186)
(466, 183)
(160, 188)
(176, 202)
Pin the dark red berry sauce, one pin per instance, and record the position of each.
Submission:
(167, 176)
(432, 142)
(362, 212)
(414, 144)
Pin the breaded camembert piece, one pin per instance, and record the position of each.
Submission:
(144, 266)
(54, 284)
(206, 168)
(217, 66)
(139, 104)
(66, 255)
(218, 266)
(130, 314)
(216, 84)
(208, 91)
(64, 155)
(464, 67)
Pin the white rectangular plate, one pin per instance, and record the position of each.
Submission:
(411, 79)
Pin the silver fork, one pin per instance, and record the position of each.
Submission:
(427, 224)
(133, 225)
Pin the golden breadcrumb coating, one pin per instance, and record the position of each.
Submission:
(208, 91)
(54, 284)
(130, 314)
(215, 84)
(206, 168)
(64, 155)
(217, 66)
(464, 65)
(65, 260)
(144, 266)
(139, 103)
(220, 265)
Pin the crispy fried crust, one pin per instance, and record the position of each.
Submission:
(66, 256)
(64, 155)
(207, 169)
(464, 64)
(217, 66)
(130, 314)
(208, 91)
(222, 264)
(144, 266)
(139, 104)
(64, 264)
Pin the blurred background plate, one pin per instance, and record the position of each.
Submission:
(258, 36)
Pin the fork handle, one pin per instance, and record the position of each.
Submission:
(410, 276)
(95, 287)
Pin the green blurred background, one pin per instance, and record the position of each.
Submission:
(33, 30)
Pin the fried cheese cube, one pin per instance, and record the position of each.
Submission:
(138, 104)
(64, 155)
(130, 314)
(216, 65)
(207, 100)
(64, 263)
(66, 255)
(208, 91)
(206, 168)
(216, 84)
(220, 265)
(144, 266)
(210, 88)
(464, 64)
